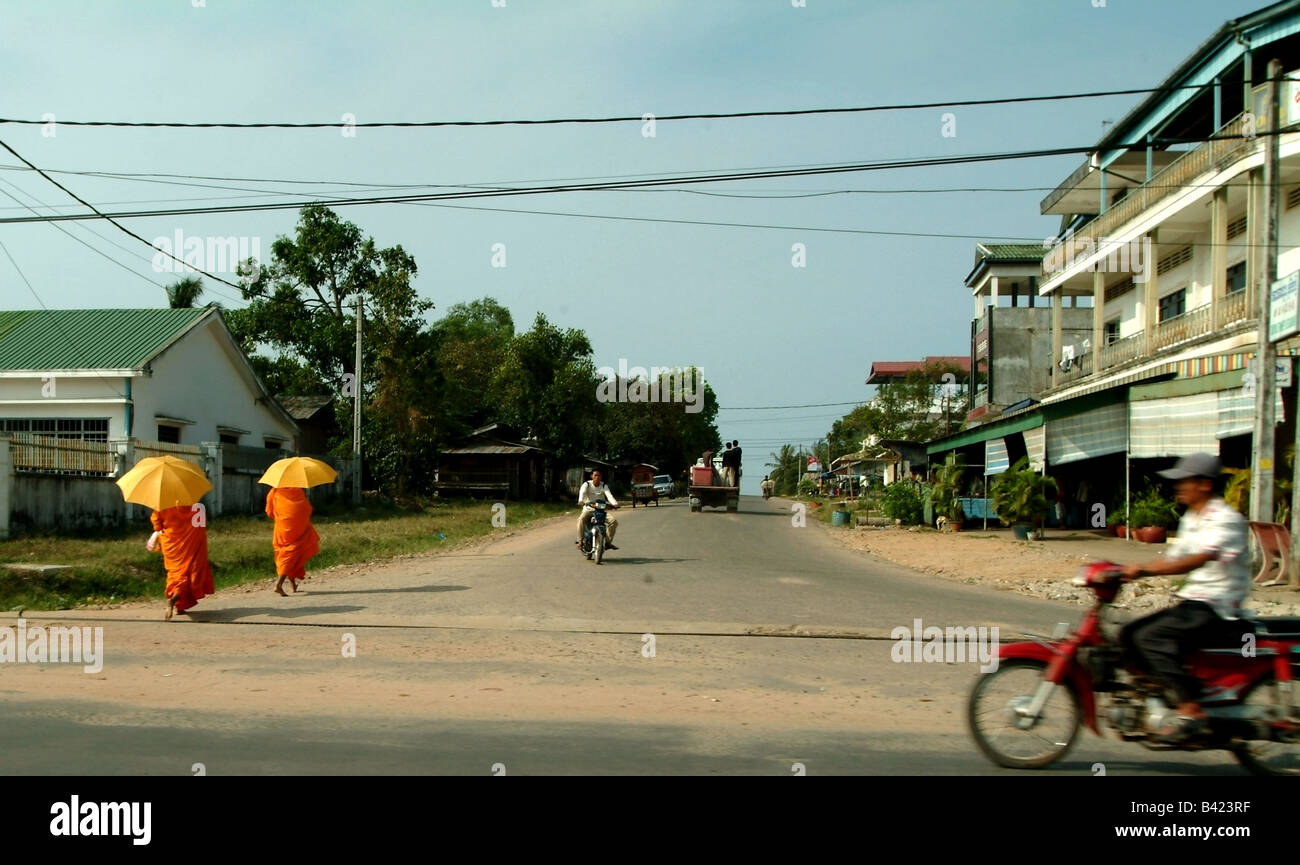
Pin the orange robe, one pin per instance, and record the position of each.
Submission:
(185, 555)
(295, 540)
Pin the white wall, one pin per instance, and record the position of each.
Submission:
(104, 398)
(200, 379)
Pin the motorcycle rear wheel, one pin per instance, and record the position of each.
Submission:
(991, 707)
(1267, 758)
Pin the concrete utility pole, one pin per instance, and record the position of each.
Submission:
(356, 412)
(1261, 476)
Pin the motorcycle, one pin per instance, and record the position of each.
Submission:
(593, 532)
(1026, 713)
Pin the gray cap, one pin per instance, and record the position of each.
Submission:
(1193, 466)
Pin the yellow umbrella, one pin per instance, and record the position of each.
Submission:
(164, 482)
(298, 472)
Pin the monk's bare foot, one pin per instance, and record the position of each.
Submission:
(279, 591)
(171, 609)
(293, 586)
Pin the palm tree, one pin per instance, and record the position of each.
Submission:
(785, 470)
(184, 293)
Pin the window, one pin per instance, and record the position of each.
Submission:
(1119, 289)
(1173, 304)
(169, 434)
(273, 444)
(1174, 259)
(1112, 331)
(1237, 277)
(229, 439)
(83, 429)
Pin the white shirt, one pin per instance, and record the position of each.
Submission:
(589, 493)
(1224, 581)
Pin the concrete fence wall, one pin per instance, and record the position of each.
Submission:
(49, 501)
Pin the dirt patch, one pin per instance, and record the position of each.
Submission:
(1041, 569)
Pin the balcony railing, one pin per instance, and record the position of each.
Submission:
(1081, 367)
(1122, 351)
(1232, 309)
(1215, 154)
(1181, 328)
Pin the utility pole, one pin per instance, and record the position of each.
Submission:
(1261, 476)
(356, 411)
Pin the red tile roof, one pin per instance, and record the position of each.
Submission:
(890, 370)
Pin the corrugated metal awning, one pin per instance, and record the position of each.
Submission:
(1090, 434)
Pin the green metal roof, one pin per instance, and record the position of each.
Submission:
(65, 339)
(1013, 251)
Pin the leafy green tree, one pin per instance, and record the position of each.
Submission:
(662, 433)
(546, 386)
(473, 340)
(904, 411)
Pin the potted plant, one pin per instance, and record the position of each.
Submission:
(1153, 515)
(1115, 523)
(946, 490)
(1020, 496)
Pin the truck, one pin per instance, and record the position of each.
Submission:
(706, 490)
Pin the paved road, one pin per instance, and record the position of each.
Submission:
(708, 643)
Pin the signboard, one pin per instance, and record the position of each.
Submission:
(1282, 307)
(1283, 374)
(814, 465)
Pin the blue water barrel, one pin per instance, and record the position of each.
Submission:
(840, 518)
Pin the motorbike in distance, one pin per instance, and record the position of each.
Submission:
(594, 538)
(1026, 713)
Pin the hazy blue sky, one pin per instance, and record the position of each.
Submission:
(726, 299)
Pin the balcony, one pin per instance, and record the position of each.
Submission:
(1181, 328)
(1173, 179)
(1121, 351)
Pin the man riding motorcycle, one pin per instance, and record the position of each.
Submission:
(1211, 548)
(593, 491)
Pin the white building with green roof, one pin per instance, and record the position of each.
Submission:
(169, 375)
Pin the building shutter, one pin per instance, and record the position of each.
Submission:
(1090, 434)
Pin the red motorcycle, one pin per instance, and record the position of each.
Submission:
(1026, 713)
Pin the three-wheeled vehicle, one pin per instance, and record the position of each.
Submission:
(643, 485)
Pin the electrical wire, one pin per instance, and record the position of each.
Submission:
(728, 115)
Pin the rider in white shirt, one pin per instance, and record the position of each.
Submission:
(593, 491)
(1211, 548)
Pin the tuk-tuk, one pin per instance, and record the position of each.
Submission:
(643, 485)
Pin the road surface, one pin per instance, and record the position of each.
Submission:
(709, 643)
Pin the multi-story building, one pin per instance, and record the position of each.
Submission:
(1163, 245)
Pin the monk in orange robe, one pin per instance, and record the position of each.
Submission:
(185, 556)
(295, 540)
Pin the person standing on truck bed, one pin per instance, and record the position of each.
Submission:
(735, 461)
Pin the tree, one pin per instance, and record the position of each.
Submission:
(916, 409)
(662, 432)
(184, 293)
(786, 470)
(473, 341)
(302, 306)
(546, 386)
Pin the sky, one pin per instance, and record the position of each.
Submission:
(726, 298)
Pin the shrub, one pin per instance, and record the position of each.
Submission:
(903, 501)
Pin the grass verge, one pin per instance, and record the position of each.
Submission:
(114, 567)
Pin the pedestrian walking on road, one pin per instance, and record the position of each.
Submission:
(295, 539)
(183, 541)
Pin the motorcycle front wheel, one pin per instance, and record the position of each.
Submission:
(994, 712)
(1267, 758)
(600, 547)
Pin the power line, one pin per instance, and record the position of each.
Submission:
(770, 407)
(101, 215)
(794, 112)
(573, 187)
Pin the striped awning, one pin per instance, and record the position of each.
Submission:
(1090, 434)
(1036, 445)
(996, 460)
(1175, 426)
(1237, 412)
